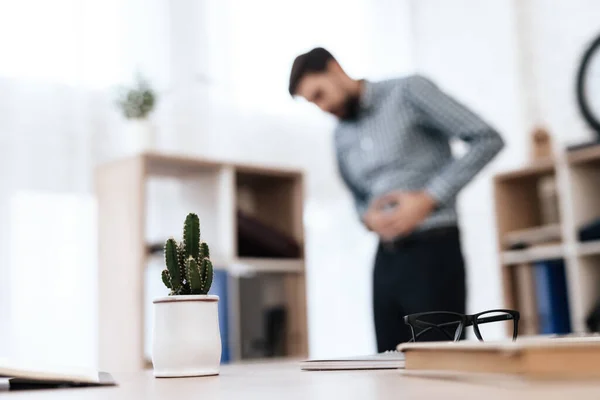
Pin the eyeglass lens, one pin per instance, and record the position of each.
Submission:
(437, 327)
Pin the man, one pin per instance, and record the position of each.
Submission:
(393, 152)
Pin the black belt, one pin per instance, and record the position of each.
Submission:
(419, 236)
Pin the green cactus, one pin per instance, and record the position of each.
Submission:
(172, 265)
(194, 275)
(204, 252)
(206, 272)
(191, 236)
(189, 269)
(166, 278)
(185, 288)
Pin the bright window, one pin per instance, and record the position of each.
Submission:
(73, 42)
(52, 268)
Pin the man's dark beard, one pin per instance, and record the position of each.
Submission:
(351, 108)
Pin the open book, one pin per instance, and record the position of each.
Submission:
(18, 376)
(385, 360)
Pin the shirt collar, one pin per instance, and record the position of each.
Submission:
(367, 98)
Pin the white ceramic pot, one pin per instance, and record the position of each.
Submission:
(186, 336)
(139, 136)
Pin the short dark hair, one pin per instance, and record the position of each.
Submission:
(314, 60)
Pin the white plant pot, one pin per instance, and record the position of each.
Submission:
(186, 336)
(139, 136)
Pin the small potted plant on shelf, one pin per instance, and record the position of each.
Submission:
(137, 103)
(186, 336)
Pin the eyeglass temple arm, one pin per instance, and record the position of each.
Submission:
(496, 318)
(485, 320)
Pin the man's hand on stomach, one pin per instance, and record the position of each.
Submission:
(398, 213)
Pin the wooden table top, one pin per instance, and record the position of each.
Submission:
(285, 380)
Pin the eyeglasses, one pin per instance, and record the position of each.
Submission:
(445, 325)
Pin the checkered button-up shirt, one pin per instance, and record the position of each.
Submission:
(401, 141)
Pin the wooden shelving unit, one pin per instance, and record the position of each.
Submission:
(216, 191)
(518, 207)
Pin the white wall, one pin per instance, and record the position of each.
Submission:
(560, 33)
(515, 63)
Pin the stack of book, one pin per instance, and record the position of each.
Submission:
(548, 358)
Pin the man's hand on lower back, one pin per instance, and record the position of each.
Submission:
(411, 209)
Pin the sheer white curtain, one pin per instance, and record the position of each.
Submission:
(60, 62)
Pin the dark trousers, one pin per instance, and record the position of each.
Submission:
(423, 272)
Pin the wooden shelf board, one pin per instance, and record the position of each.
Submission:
(162, 164)
(253, 265)
(219, 263)
(249, 265)
(539, 234)
(533, 254)
(540, 168)
(588, 248)
(182, 165)
(585, 155)
(249, 169)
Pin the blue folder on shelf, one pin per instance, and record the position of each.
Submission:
(219, 288)
(552, 298)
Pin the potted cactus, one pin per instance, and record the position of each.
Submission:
(186, 336)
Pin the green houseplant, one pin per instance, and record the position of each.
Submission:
(186, 336)
(136, 103)
(138, 100)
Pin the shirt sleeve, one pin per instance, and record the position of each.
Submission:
(360, 198)
(361, 206)
(447, 116)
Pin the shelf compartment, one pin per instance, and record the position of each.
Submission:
(525, 200)
(267, 214)
(269, 316)
(208, 193)
(524, 286)
(585, 193)
(541, 294)
(588, 288)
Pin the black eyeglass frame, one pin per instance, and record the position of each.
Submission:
(464, 321)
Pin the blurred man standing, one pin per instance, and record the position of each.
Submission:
(393, 152)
